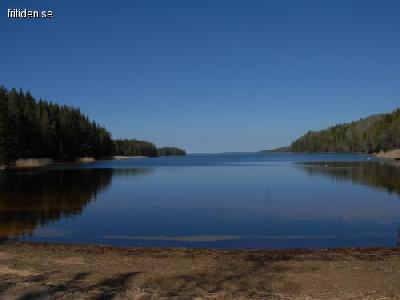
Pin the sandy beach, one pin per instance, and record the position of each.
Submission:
(391, 155)
(59, 271)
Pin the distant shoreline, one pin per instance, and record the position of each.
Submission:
(389, 154)
(392, 155)
(121, 157)
(43, 162)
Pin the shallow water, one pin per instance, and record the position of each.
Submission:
(220, 201)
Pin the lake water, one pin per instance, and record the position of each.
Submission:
(217, 201)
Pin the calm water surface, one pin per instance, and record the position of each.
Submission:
(221, 201)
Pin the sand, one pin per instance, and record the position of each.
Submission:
(58, 271)
(392, 154)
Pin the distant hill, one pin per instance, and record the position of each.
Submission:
(280, 149)
(368, 135)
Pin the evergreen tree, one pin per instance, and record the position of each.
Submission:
(39, 129)
(34, 129)
(134, 148)
(168, 151)
(372, 134)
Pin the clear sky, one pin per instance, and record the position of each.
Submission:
(208, 75)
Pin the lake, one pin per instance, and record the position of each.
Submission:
(217, 201)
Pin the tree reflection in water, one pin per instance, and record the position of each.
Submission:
(376, 174)
(32, 198)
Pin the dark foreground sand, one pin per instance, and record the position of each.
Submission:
(55, 271)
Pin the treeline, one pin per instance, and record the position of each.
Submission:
(134, 148)
(369, 135)
(168, 151)
(31, 129)
(128, 147)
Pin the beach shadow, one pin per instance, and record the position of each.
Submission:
(113, 286)
(4, 286)
(105, 289)
(252, 277)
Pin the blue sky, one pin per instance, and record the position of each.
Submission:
(209, 75)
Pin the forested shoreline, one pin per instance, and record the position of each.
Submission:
(129, 147)
(368, 135)
(31, 128)
(168, 151)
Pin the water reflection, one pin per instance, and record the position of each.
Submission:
(218, 204)
(380, 175)
(32, 198)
